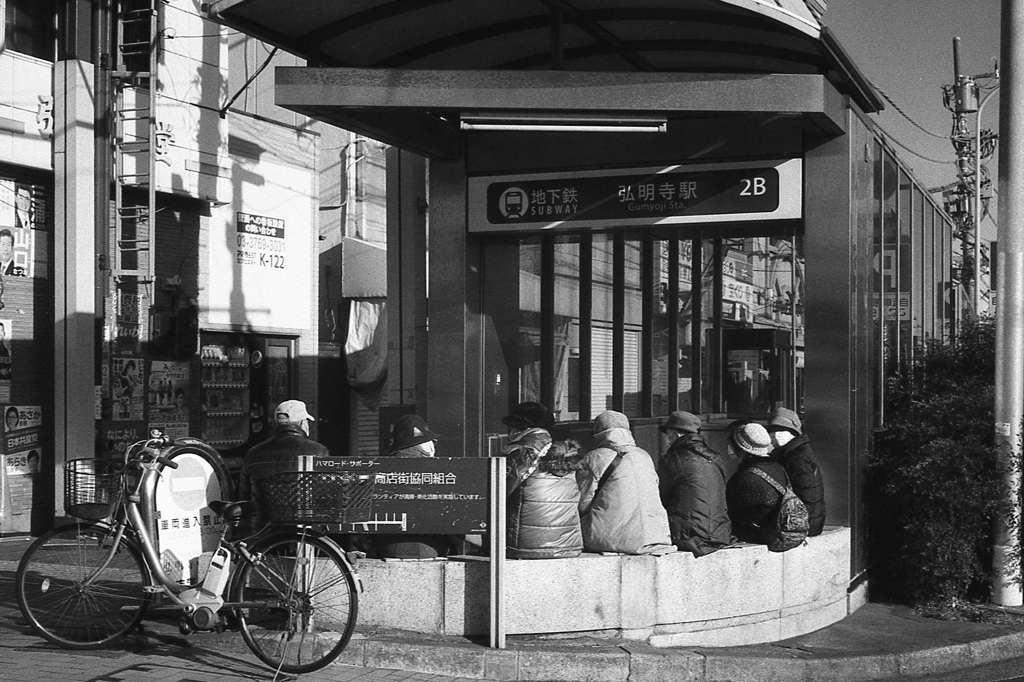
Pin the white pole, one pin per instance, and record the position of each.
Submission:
(977, 203)
(1009, 376)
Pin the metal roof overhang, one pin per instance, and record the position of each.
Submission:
(402, 71)
(419, 110)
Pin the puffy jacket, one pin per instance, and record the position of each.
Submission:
(523, 453)
(277, 454)
(692, 479)
(798, 459)
(543, 518)
(626, 516)
(751, 499)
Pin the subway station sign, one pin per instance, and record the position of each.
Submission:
(665, 195)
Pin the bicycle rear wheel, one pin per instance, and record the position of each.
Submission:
(307, 602)
(68, 600)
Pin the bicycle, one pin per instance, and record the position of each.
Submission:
(291, 591)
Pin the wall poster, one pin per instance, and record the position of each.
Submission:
(23, 235)
(169, 397)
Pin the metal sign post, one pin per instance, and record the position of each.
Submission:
(496, 529)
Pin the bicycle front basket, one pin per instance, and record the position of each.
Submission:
(317, 497)
(92, 487)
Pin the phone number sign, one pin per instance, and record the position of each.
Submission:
(767, 190)
(259, 241)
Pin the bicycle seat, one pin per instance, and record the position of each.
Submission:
(233, 511)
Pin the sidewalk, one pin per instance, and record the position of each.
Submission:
(877, 642)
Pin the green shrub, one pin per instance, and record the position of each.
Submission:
(933, 478)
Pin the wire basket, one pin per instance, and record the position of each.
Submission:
(317, 497)
(92, 487)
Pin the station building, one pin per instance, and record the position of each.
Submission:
(639, 206)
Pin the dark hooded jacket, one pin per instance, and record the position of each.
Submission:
(751, 499)
(692, 483)
(804, 474)
(278, 454)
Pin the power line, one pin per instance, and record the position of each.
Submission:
(892, 139)
(905, 115)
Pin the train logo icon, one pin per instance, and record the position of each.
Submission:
(513, 203)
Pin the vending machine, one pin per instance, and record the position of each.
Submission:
(242, 378)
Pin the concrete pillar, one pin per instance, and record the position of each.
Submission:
(74, 267)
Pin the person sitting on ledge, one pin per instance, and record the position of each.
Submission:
(543, 514)
(411, 437)
(750, 498)
(692, 480)
(793, 451)
(620, 508)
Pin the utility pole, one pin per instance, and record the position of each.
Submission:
(1009, 375)
(963, 201)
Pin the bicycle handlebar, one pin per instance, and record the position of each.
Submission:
(147, 451)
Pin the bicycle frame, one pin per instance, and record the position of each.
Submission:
(197, 601)
(295, 591)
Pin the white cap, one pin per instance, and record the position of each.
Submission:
(292, 411)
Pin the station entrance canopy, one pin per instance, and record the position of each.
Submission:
(407, 72)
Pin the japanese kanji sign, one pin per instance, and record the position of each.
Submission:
(442, 495)
(766, 190)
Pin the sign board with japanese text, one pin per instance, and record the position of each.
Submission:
(186, 527)
(423, 495)
(665, 195)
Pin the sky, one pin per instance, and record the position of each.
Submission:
(905, 48)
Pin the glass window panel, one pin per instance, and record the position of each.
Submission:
(529, 321)
(660, 347)
(877, 350)
(931, 327)
(688, 400)
(708, 382)
(601, 351)
(632, 326)
(887, 263)
(917, 268)
(566, 331)
(903, 264)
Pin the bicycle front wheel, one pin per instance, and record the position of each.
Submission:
(299, 602)
(69, 599)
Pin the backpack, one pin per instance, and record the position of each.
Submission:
(788, 523)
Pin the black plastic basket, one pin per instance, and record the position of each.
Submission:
(92, 487)
(317, 497)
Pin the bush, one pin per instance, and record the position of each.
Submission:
(933, 478)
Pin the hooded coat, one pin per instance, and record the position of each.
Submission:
(692, 478)
(543, 519)
(805, 477)
(543, 516)
(626, 516)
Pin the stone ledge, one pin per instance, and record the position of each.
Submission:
(740, 595)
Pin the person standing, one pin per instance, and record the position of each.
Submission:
(279, 453)
(750, 498)
(692, 481)
(793, 451)
(620, 507)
